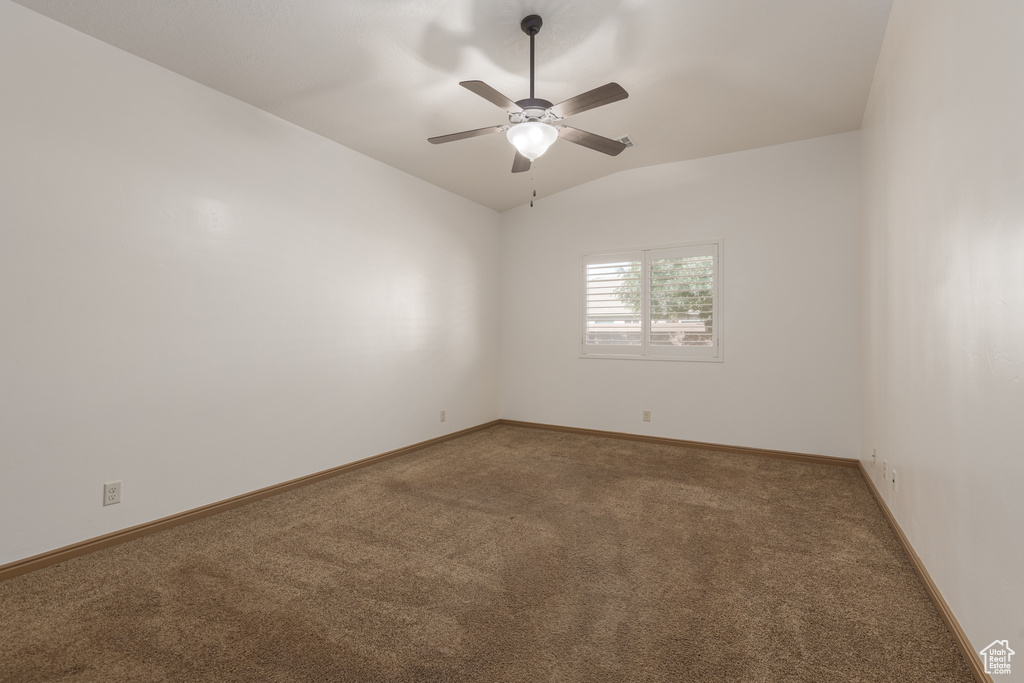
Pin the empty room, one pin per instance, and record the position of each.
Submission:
(467, 340)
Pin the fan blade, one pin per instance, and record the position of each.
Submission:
(466, 134)
(520, 163)
(491, 95)
(582, 137)
(598, 97)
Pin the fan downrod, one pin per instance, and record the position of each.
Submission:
(531, 27)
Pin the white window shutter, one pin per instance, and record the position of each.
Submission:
(682, 284)
(612, 295)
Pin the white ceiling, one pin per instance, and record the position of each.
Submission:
(704, 77)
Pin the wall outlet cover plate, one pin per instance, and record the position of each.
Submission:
(112, 493)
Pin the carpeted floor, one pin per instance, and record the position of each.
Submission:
(510, 554)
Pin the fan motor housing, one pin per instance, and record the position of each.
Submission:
(534, 107)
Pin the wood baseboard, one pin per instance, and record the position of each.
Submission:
(743, 450)
(966, 648)
(59, 555)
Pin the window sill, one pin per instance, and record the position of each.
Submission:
(674, 359)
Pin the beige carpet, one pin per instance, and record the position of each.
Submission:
(510, 554)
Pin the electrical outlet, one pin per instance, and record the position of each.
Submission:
(647, 416)
(112, 493)
(885, 469)
(442, 416)
(895, 482)
(874, 456)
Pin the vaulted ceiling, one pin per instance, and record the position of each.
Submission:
(704, 77)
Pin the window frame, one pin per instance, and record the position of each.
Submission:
(645, 351)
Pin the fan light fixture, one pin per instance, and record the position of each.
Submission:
(532, 138)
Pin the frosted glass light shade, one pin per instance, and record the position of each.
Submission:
(532, 138)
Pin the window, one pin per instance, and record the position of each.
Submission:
(654, 303)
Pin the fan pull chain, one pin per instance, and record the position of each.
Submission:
(533, 186)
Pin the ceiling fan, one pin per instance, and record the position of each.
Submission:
(534, 124)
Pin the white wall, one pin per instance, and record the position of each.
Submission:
(790, 218)
(943, 397)
(200, 299)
